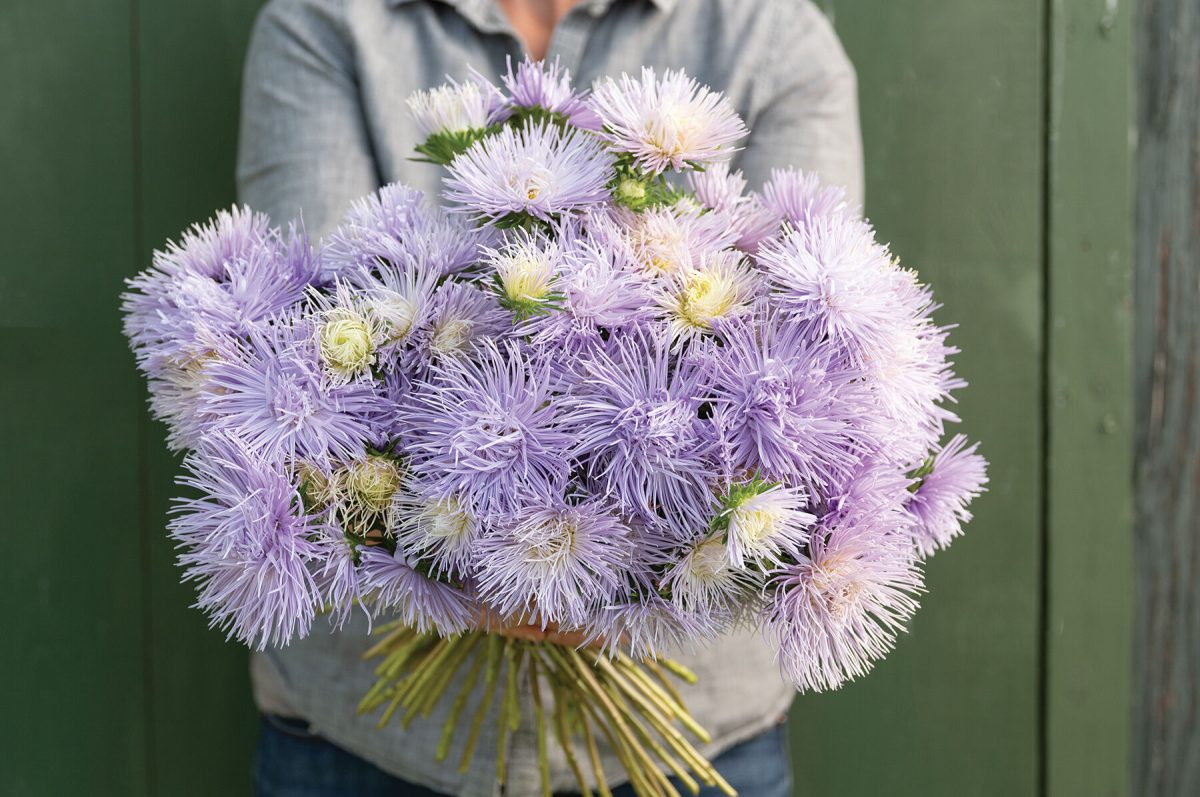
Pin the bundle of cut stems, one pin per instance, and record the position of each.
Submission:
(633, 704)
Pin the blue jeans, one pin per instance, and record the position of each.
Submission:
(292, 762)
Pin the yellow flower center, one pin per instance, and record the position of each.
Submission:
(706, 296)
(756, 525)
(373, 482)
(346, 345)
(526, 278)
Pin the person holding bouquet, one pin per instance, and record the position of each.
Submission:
(325, 122)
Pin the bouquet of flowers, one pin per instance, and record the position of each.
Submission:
(604, 391)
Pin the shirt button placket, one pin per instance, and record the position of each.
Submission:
(570, 38)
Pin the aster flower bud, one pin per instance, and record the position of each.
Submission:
(372, 482)
(346, 345)
(319, 489)
(526, 268)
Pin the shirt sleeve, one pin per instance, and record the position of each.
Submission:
(303, 149)
(805, 114)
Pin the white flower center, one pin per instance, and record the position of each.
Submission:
(709, 560)
(446, 520)
(399, 313)
(451, 336)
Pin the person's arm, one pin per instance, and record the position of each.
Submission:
(303, 149)
(808, 109)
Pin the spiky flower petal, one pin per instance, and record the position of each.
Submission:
(668, 122)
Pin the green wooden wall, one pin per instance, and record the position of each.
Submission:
(998, 159)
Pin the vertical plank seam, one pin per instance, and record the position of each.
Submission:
(143, 425)
(1044, 480)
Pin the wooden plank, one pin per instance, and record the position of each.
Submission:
(1166, 751)
(1089, 500)
(190, 58)
(70, 577)
(952, 106)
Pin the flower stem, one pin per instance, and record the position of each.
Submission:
(509, 715)
(493, 666)
(594, 754)
(539, 721)
(460, 703)
(564, 738)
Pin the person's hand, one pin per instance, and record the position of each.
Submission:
(522, 628)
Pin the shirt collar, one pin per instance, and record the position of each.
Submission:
(475, 7)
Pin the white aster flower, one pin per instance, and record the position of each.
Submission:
(440, 530)
(703, 578)
(671, 122)
(456, 107)
(765, 522)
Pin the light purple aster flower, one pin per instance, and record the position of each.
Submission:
(648, 625)
(909, 378)
(664, 123)
(839, 609)
(956, 476)
(460, 315)
(440, 531)
(667, 240)
(248, 542)
(224, 278)
(208, 248)
(554, 561)
(395, 587)
(878, 488)
(755, 224)
(635, 415)
(602, 290)
(718, 188)
(836, 280)
(785, 409)
(397, 226)
(790, 196)
(800, 199)
(485, 431)
(272, 392)
(548, 86)
(541, 170)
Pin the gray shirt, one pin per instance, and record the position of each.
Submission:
(324, 122)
